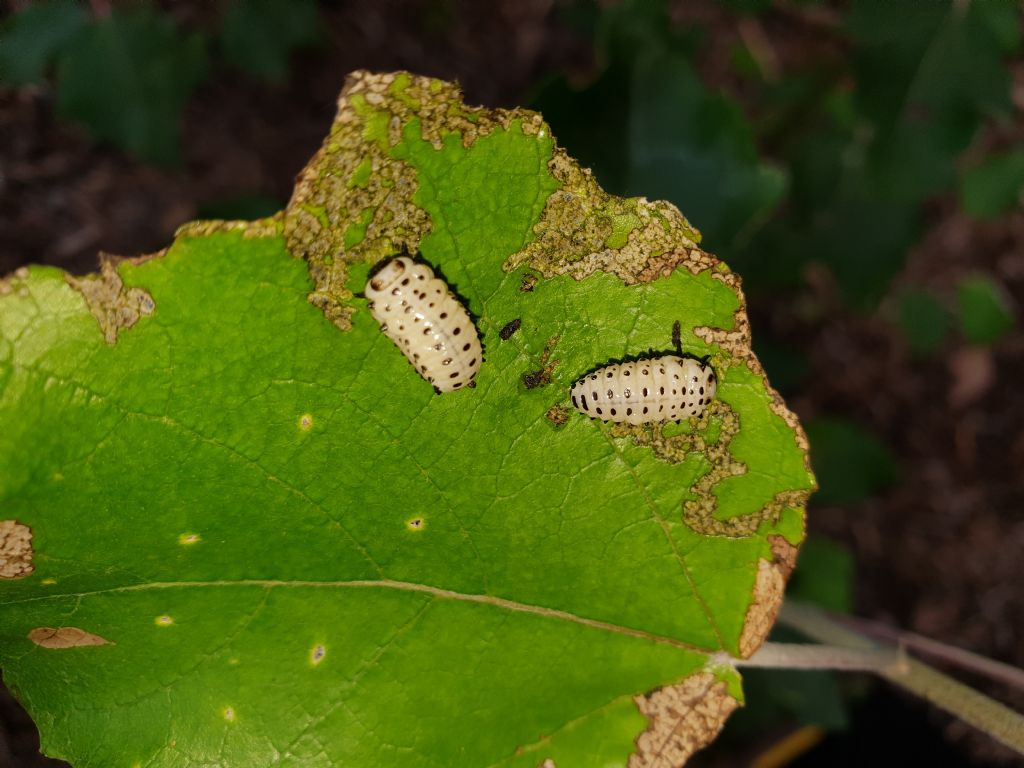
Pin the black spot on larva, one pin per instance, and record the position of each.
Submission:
(443, 315)
(626, 372)
(415, 355)
(661, 408)
(610, 374)
(594, 377)
(405, 281)
(599, 411)
(661, 390)
(576, 404)
(420, 276)
(454, 375)
(593, 395)
(645, 391)
(446, 361)
(645, 372)
(610, 393)
(472, 362)
(645, 409)
(439, 346)
(466, 346)
(457, 331)
(396, 291)
(627, 393)
(584, 402)
(613, 411)
(459, 384)
(661, 370)
(702, 390)
(376, 285)
(426, 330)
(629, 411)
(675, 376)
(506, 333)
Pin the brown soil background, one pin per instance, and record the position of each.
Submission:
(941, 554)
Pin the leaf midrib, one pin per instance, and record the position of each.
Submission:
(405, 586)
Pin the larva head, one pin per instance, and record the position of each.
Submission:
(388, 276)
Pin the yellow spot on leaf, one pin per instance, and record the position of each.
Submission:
(317, 653)
(188, 538)
(229, 714)
(164, 621)
(416, 524)
(306, 422)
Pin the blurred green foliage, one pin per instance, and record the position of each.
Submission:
(851, 464)
(994, 186)
(924, 321)
(824, 575)
(128, 77)
(986, 313)
(31, 39)
(259, 36)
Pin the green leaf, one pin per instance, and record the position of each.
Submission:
(128, 78)
(923, 320)
(298, 554)
(31, 39)
(259, 36)
(927, 74)
(824, 575)
(995, 186)
(851, 463)
(986, 311)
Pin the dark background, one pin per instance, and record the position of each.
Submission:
(858, 163)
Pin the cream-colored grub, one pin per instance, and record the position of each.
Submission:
(353, 202)
(681, 719)
(16, 551)
(114, 307)
(64, 637)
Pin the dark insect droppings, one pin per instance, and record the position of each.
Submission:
(506, 333)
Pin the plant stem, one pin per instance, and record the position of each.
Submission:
(986, 714)
(995, 670)
(798, 656)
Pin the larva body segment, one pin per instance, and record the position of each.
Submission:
(657, 389)
(434, 331)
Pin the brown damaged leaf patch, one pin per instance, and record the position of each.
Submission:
(114, 307)
(584, 230)
(681, 719)
(58, 638)
(268, 227)
(16, 551)
(354, 202)
(769, 590)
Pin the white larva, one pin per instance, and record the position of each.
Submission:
(418, 312)
(667, 388)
